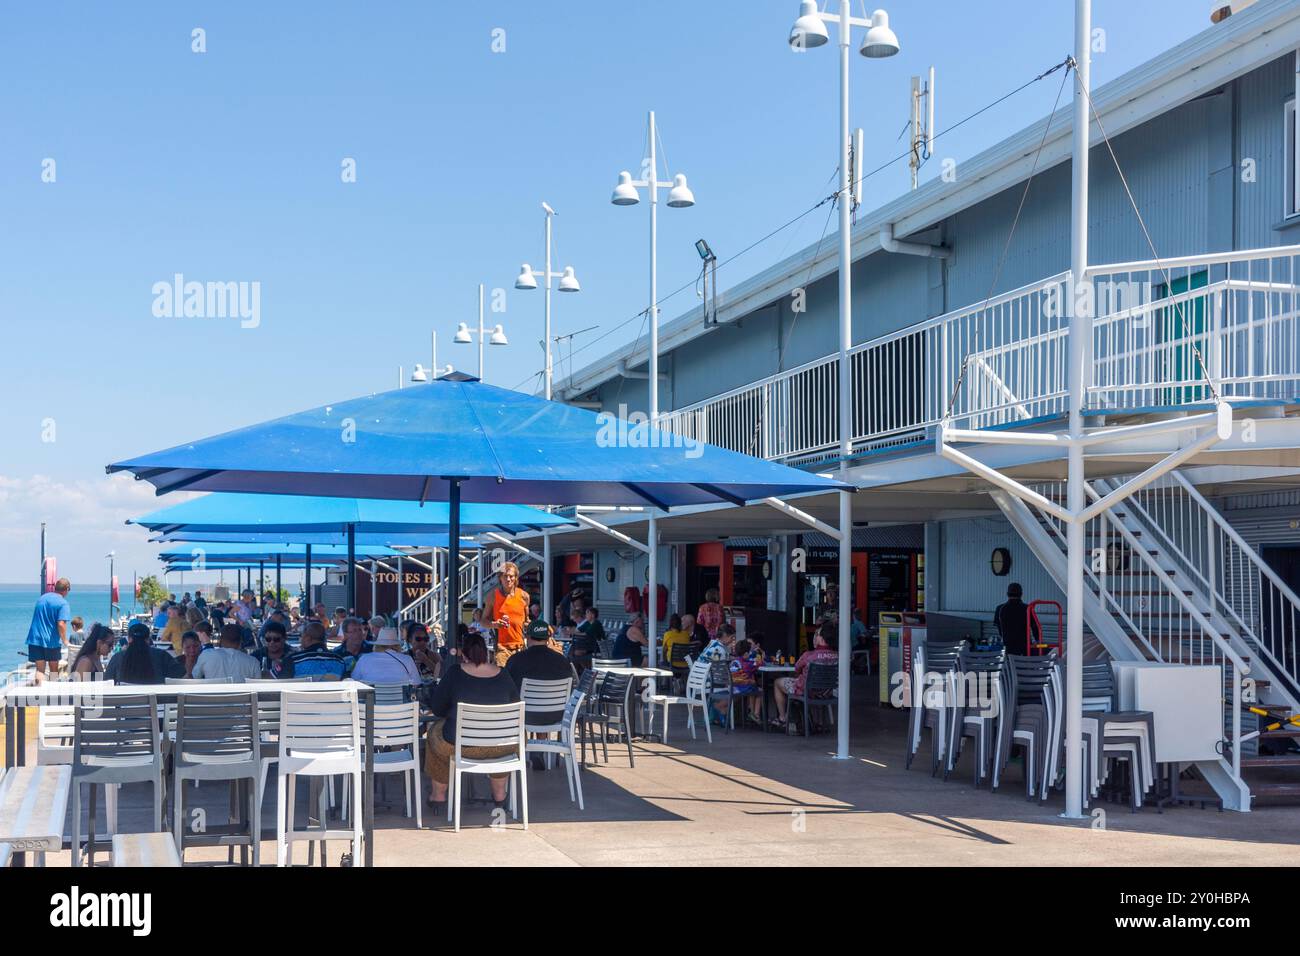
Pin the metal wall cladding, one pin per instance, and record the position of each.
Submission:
(1183, 167)
(1261, 99)
(967, 582)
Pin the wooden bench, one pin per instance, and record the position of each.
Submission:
(33, 806)
(145, 849)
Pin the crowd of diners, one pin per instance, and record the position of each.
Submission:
(504, 642)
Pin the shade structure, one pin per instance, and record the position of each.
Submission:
(217, 564)
(246, 553)
(290, 517)
(459, 439)
(497, 445)
(423, 542)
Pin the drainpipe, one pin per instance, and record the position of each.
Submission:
(890, 244)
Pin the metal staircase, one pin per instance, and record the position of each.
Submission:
(1139, 610)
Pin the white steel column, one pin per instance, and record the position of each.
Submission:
(845, 391)
(549, 369)
(652, 537)
(1080, 347)
(548, 585)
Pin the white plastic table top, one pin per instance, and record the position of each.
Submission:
(777, 668)
(34, 822)
(67, 692)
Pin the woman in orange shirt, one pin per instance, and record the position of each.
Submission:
(509, 613)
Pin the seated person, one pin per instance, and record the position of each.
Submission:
(675, 635)
(140, 662)
(273, 656)
(204, 630)
(227, 660)
(630, 641)
(175, 627)
(191, 647)
(354, 644)
(314, 659)
(823, 652)
(698, 634)
(744, 679)
(540, 662)
(93, 650)
(426, 659)
(477, 680)
(586, 639)
(386, 664)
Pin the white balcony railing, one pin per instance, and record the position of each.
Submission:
(1159, 328)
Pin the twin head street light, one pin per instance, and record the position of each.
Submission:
(679, 197)
(809, 32)
(493, 336)
(527, 280)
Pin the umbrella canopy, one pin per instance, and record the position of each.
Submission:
(218, 564)
(423, 542)
(458, 436)
(254, 553)
(290, 517)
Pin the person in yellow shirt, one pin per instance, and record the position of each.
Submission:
(175, 628)
(675, 634)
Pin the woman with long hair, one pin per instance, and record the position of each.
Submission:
(94, 649)
(140, 662)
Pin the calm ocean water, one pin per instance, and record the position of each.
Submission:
(16, 601)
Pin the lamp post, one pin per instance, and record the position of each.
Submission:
(433, 373)
(494, 336)
(679, 197)
(111, 555)
(568, 283)
(809, 31)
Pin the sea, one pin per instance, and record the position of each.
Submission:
(16, 600)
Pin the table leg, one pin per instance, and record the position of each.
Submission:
(9, 735)
(20, 731)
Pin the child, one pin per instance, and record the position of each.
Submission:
(744, 677)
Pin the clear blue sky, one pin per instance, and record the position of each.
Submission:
(225, 166)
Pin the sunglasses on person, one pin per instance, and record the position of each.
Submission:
(274, 639)
(420, 637)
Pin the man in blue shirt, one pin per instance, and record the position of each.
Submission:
(48, 634)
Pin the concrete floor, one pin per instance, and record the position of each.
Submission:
(753, 798)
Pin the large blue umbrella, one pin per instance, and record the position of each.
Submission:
(329, 518)
(460, 438)
(229, 551)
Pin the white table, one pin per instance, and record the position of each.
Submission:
(778, 670)
(54, 693)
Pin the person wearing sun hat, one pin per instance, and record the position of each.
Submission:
(386, 664)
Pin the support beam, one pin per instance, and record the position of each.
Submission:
(1009, 485)
(548, 583)
(799, 515)
(1156, 471)
(502, 539)
(616, 535)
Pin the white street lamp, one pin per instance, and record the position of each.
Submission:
(809, 31)
(494, 336)
(433, 372)
(527, 280)
(679, 197)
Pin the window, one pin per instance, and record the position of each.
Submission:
(1291, 189)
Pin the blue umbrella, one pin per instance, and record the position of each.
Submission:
(229, 551)
(329, 518)
(460, 438)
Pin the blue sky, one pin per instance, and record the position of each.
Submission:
(225, 166)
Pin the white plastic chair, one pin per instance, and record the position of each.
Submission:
(54, 734)
(542, 697)
(697, 695)
(489, 725)
(320, 736)
(566, 746)
(397, 750)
